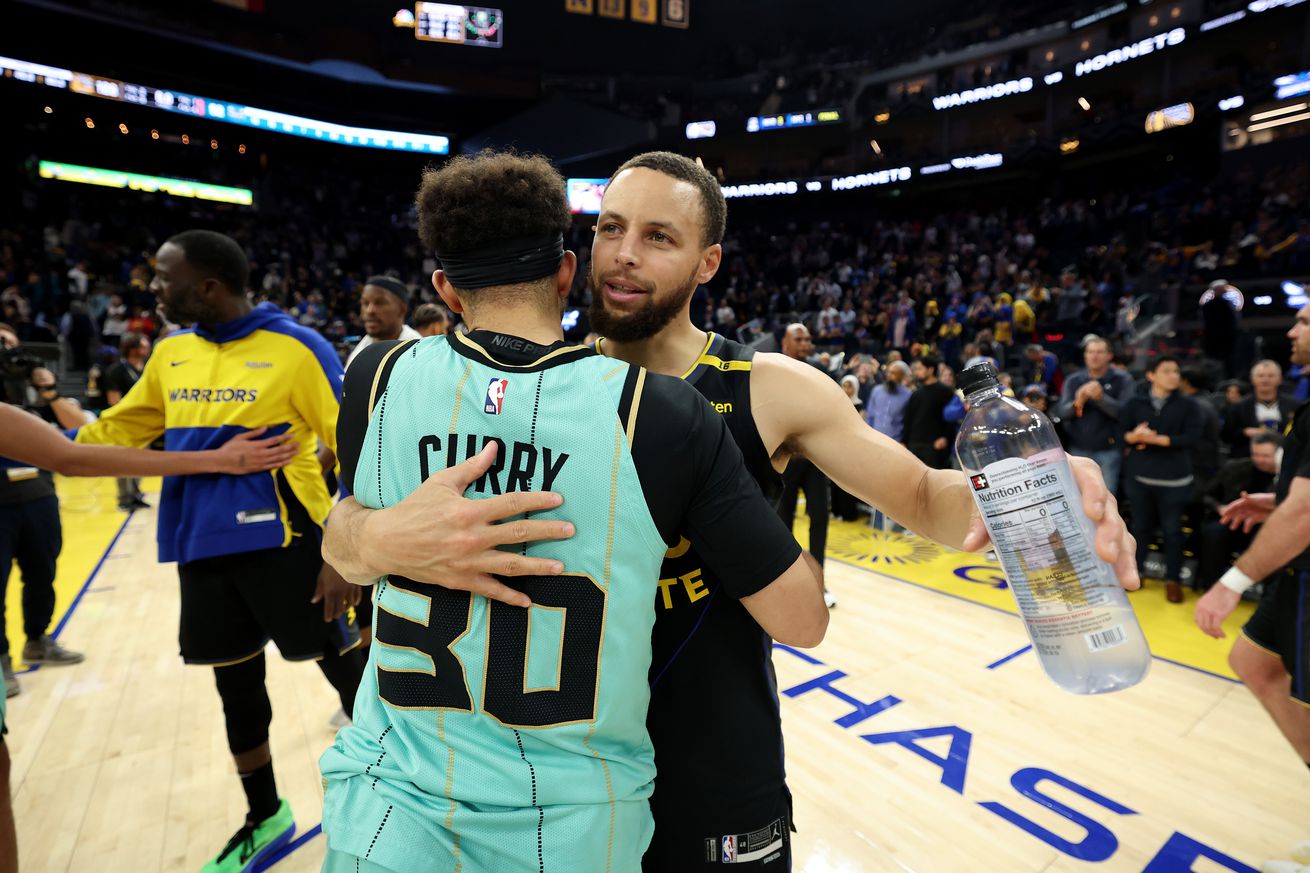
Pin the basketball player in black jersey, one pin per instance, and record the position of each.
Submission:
(714, 717)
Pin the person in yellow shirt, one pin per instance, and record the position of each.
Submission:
(247, 546)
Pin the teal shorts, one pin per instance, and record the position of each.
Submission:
(342, 862)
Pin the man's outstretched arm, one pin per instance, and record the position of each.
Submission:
(436, 535)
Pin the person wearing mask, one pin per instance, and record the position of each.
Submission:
(1265, 409)
(926, 431)
(1161, 428)
(1236, 479)
(383, 305)
(133, 350)
(1089, 407)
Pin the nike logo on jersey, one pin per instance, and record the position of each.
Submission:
(176, 363)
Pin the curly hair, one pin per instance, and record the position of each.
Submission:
(492, 195)
(714, 208)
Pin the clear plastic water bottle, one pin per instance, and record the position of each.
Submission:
(1078, 617)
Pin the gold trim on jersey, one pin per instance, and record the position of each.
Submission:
(463, 671)
(636, 402)
(546, 357)
(427, 609)
(612, 373)
(699, 358)
(600, 650)
(722, 365)
(527, 650)
(459, 392)
(377, 375)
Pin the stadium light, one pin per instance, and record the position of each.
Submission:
(1278, 122)
(219, 110)
(1082, 101)
(1282, 110)
(150, 184)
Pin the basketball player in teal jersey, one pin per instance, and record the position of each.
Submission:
(489, 737)
(714, 712)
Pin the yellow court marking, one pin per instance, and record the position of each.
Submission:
(88, 511)
(1169, 627)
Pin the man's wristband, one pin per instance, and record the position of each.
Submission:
(1236, 581)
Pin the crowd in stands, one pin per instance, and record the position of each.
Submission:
(891, 302)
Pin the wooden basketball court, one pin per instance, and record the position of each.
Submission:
(921, 736)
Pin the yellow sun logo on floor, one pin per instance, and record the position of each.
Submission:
(875, 546)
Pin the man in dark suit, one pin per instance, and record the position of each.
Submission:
(1266, 409)
(1238, 477)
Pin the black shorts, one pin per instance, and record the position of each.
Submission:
(1281, 624)
(232, 605)
(706, 835)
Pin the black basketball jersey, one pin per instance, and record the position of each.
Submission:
(714, 716)
(1296, 462)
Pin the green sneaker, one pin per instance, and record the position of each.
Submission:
(253, 844)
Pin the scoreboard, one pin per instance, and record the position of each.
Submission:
(465, 25)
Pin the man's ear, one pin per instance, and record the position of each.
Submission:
(568, 269)
(447, 292)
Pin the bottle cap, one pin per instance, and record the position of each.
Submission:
(979, 377)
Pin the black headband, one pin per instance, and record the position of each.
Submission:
(395, 286)
(503, 263)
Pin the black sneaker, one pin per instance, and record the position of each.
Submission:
(139, 502)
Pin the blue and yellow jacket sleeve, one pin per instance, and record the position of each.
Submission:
(201, 388)
(136, 420)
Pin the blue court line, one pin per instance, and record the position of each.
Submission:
(282, 853)
(59, 628)
(1012, 615)
(1009, 657)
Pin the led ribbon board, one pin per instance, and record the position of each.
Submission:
(218, 110)
(756, 123)
(150, 184)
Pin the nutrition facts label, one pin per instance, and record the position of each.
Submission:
(1032, 509)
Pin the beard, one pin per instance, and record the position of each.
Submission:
(643, 323)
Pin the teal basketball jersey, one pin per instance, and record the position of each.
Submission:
(487, 736)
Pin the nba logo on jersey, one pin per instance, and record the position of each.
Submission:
(729, 850)
(495, 396)
(979, 482)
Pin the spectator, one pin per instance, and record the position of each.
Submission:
(1205, 458)
(1089, 407)
(431, 320)
(926, 431)
(1237, 478)
(1043, 368)
(1161, 427)
(1071, 299)
(1265, 410)
(133, 351)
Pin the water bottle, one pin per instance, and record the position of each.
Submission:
(1078, 617)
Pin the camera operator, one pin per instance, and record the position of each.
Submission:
(30, 532)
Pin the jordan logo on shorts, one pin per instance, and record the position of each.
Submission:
(495, 396)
